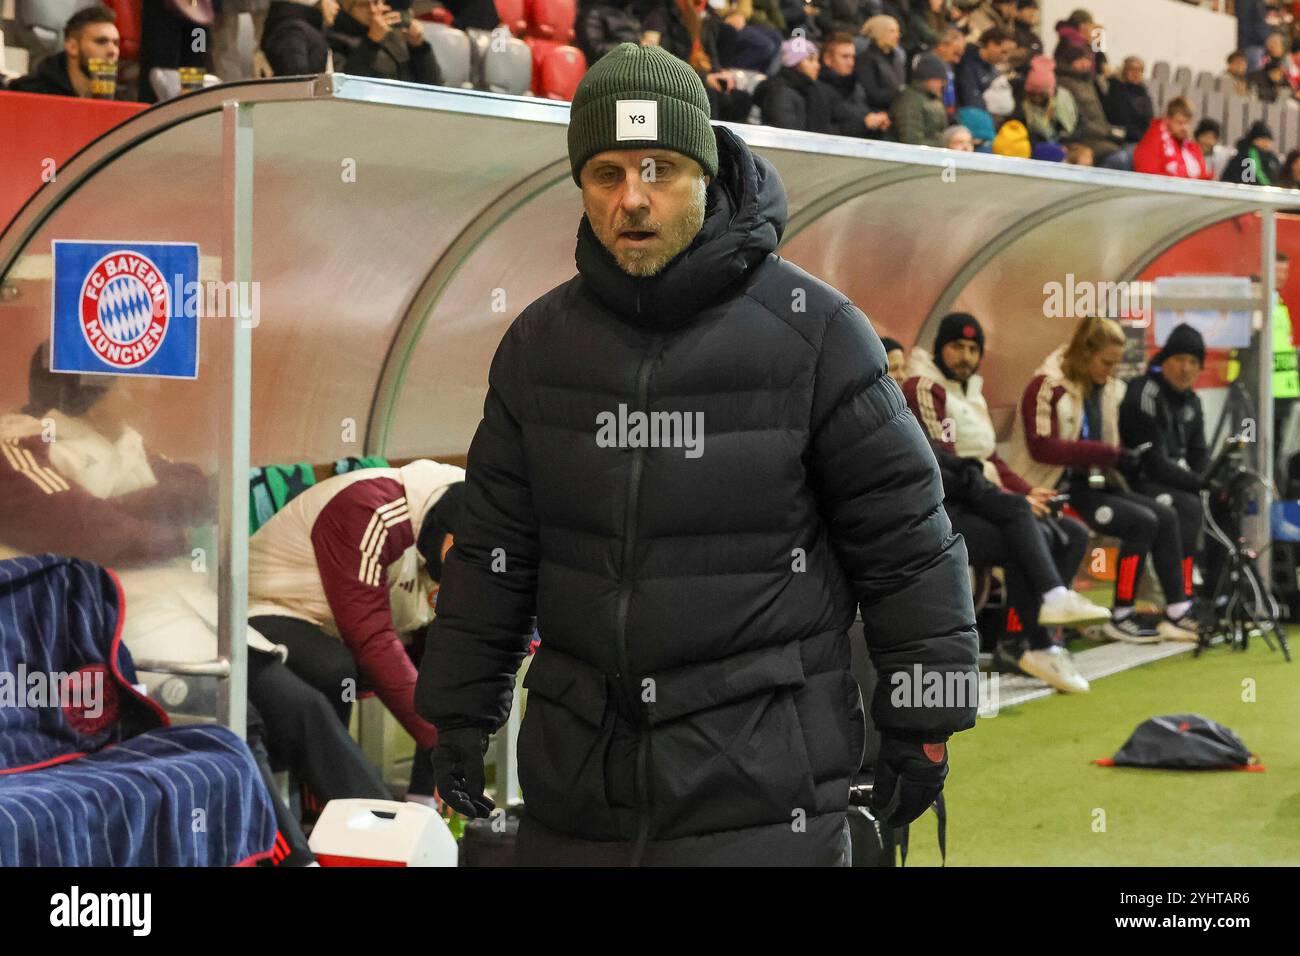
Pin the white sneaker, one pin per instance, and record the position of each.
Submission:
(1070, 608)
(1053, 665)
(1184, 629)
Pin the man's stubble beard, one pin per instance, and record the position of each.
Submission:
(644, 262)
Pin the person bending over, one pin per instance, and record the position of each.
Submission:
(344, 569)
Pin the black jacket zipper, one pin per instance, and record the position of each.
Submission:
(627, 680)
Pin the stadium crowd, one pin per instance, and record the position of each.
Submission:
(968, 75)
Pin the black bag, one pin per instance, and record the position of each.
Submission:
(490, 841)
(1183, 742)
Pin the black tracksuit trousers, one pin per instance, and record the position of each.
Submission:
(1035, 555)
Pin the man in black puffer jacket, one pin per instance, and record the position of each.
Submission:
(294, 37)
(692, 468)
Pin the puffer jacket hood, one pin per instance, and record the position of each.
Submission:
(743, 222)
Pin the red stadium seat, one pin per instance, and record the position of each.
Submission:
(562, 68)
(439, 14)
(552, 19)
(512, 14)
(128, 26)
(539, 49)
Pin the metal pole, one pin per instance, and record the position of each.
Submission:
(232, 535)
(1268, 256)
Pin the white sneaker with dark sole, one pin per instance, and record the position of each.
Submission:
(1178, 630)
(1071, 608)
(1053, 666)
(1131, 631)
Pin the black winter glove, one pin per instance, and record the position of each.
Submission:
(458, 771)
(909, 778)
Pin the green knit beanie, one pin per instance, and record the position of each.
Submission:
(641, 97)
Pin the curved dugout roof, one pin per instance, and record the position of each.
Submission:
(384, 293)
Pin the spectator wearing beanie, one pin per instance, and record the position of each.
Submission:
(793, 99)
(1168, 148)
(853, 116)
(1128, 104)
(918, 116)
(1080, 30)
(293, 40)
(1049, 152)
(1074, 73)
(882, 67)
(1050, 114)
(981, 127)
(1013, 140)
(1254, 163)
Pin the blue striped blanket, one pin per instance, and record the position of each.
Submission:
(90, 773)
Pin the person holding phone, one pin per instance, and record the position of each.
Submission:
(1066, 435)
(370, 38)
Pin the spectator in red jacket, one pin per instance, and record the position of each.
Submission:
(1168, 148)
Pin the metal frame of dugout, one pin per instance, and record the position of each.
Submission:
(1019, 217)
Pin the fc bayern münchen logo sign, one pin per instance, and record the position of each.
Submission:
(124, 309)
(119, 309)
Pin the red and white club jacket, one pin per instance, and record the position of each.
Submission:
(957, 418)
(342, 556)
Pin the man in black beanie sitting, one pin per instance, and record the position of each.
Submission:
(1161, 408)
(691, 701)
(1006, 522)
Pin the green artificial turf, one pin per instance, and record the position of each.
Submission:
(1023, 792)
